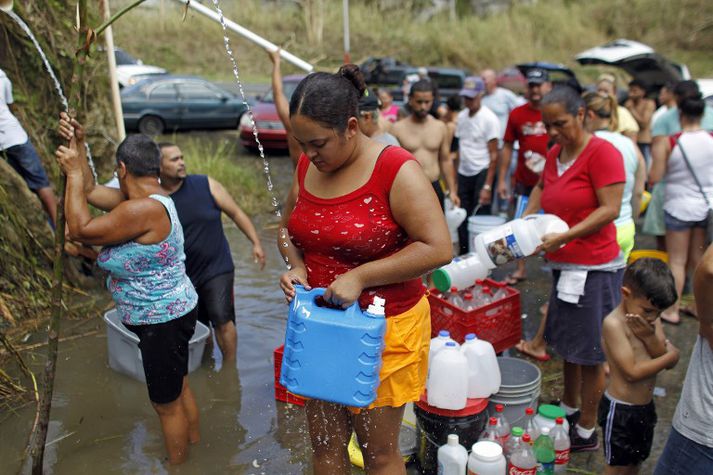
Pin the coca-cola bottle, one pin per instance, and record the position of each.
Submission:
(512, 443)
(531, 426)
(503, 426)
(562, 444)
(491, 432)
(522, 460)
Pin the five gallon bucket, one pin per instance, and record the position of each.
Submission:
(481, 223)
(519, 389)
(433, 426)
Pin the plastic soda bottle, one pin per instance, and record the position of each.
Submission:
(454, 298)
(503, 426)
(452, 457)
(545, 453)
(491, 432)
(522, 460)
(468, 302)
(530, 426)
(560, 439)
(513, 442)
(499, 292)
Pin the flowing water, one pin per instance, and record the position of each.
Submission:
(53, 76)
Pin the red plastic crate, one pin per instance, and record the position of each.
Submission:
(281, 393)
(498, 323)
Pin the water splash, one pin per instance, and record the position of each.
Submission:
(266, 166)
(53, 76)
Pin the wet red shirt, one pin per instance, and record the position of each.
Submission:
(338, 234)
(525, 125)
(573, 197)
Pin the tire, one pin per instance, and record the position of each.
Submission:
(151, 125)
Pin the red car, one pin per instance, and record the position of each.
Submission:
(270, 130)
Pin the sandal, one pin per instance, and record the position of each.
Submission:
(666, 319)
(523, 347)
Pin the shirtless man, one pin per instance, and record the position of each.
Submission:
(428, 140)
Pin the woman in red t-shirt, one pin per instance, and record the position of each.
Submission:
(361, 220)
(582, 183)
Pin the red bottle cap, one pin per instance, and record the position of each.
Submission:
(493, 421)
(454, 289)
(468, 296)
(479, 281)
(499, 408)
(526, 438)
(529, 411)
(559, 420)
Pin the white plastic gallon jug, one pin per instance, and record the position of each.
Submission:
(448, 383)
(452, 457)
(462, 272)
(482, 354)
(437, 344)
(478, 386)
(516, 239)
(454, 218)
(486, 458)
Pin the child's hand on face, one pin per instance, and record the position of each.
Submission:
(639, 326)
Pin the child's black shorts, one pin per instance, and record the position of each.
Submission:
(628, 431)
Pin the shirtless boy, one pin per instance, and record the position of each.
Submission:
(428, 140)
(636, 351)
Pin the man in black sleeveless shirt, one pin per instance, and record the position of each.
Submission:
(200, 201)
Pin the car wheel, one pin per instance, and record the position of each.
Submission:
(151, 125)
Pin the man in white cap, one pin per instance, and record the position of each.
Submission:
(477, 133)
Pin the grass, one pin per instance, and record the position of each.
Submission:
(551, 30)
(242, 178)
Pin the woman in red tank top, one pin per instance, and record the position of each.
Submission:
(361, 220)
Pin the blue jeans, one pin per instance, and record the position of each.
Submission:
(682, 456)
(26, 162)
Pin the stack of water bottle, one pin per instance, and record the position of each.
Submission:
(538, 448)
(477, 295)
(457, 373)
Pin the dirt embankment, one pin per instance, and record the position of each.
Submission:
(26, 247)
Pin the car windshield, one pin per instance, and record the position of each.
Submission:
(288, 87)
(123, 58)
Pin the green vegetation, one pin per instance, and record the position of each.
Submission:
(243, 178)
(551, 30)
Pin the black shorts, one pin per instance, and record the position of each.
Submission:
(216, 303)
(439, 192)
(164, 351)
(628, 431)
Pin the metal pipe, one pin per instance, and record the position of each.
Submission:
(244, 32)
(6, 5)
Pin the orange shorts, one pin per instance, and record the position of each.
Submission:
(404, 361)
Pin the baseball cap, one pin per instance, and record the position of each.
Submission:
(369, 101)
(472, 86)
(537, 76)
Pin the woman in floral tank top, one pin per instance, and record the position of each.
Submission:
(361, 220)
(143, 254)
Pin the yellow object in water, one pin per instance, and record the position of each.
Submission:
(645, 199)
(355, 455)
(653, 253)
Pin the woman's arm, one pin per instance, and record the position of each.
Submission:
(660, 153)
(297, 272)
(416, 209)
(534, 202)
(702, 289)
(609, 198)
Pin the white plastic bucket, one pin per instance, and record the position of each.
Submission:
(481, 223)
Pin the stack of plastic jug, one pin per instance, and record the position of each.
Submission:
(472, 373)
(333, 354)
(516, 239)
(461, 272)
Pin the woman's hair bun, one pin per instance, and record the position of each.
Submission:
(353, 74)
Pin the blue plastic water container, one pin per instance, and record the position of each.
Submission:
(333, 354)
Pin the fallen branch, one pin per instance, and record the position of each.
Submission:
(62, 339)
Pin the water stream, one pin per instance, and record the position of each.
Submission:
(53, 76)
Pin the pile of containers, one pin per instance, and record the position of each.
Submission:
(519, 387)
(536, 449)
(458, 373)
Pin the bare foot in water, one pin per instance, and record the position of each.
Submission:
(527, 348)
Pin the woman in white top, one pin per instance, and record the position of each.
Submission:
(685, 208)
(602, 119)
